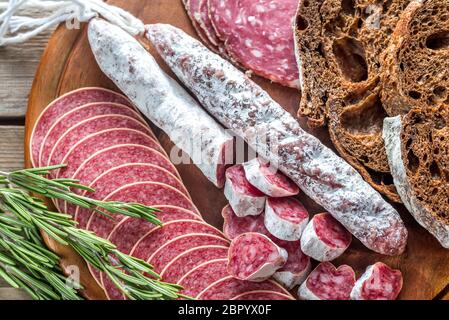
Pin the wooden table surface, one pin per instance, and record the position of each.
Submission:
(17, 67)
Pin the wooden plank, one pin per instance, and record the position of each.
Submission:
(13, 294)
(11, 148)
(17, 68)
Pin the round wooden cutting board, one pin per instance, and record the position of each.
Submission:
(68, 64)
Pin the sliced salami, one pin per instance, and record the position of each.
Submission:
(188, 260)
(328, 283)
(229, 287)
(234, 226)
(87, 127)
(245, 199)
(379, 282)
(324, 238)
(125, 174)
(153, 240)
(258, 34)
(65, 104)
(168, 105)
(203, 275)
(268, 179)
(146, 193)
(297, 267)
(262, 295)
(254, 257)
(75, 116)
(285, 218)
(170, 250)
(245, 108)
(126, 234)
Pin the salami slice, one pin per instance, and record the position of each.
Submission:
(170, 250)
(126, 234)
(328, 283)
(268, 179)
(324, 238)
(258, 34)
(285, 218)
(379, 282)
(188, 260)
(229, 287)
(245, 199)
(126, 174)
(254, 257)
(153, 240)
(75, 116)
(203, 275)
(234, 226)
(87, 127)
(262, 295)
(146, 193)
(297, 267)
(65, 104)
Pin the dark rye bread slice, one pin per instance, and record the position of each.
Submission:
(418, 150)
(416, 68)
(340, 44)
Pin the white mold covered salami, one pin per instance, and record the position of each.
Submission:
(324, 238)
(244, 198)
(268, 179)
(242, 106)
(379, 282)
(297, 267)
(254, 257)
(327, 282)
(64, 104)
(258, 34)
(285, 218)
(161, 99)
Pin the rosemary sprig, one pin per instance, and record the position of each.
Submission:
(126, 272)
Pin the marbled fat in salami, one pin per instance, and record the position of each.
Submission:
(258, 34)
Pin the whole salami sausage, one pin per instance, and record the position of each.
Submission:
(162, 99)
(241, 105)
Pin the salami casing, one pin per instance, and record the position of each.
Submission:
(245, 199)
(328, 283)
(241, 105)
(65, 104)
(268, 180)
(162, 99)
(254, 257)
(285, 218)
(296, 269)
(379, 282)
(324, 238)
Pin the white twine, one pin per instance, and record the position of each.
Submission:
(15, 28)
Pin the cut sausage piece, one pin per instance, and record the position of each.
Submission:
(258, 34)
(379, 282)
(117, 177)
(149, 243)
(112, 157)
(87, 127)
(203, 275)
(65, 104)
(262, 295)
(245, 108)
(324, 238)
(286, 218)
(328, 283)
(297, 267)
(254, 257)
(234, 226)
(75, 116)
(268, 179)
(165, 102)
(188, 260)
(170, 250)
(229, 287)
(245, 199)
(126, 234)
